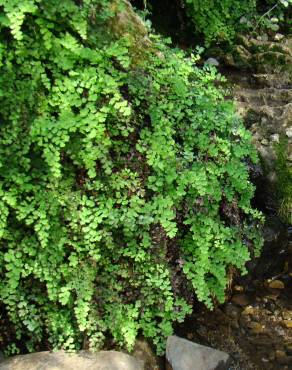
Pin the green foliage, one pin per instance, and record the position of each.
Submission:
(284, 180)
(218, 20)
(273, 15)
(118, 182)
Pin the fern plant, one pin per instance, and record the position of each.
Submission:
(119, 182)
(219, 20)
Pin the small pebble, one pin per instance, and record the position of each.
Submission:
(276, 284)
(287, 324)
(238, 288)
(240, 300)
(278, 37)
(280, 354)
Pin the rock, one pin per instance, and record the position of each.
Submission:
(287, 315)
(249, 310)
(126, 23)
(103, 360)
(276, 284)
(240, 300)
(264, 142)
(185, 355)
(282, 358)
(231, 310)
(238, 288)
(287, 324)
(278, 37)
(256, 327)
(289, 132)
(212, 61)
(273, 295)
(280, 354)
(275, 138)
(144, 352)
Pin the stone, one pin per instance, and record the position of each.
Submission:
(280, 354)
(289, 132)
(238, 288)
(287, 315)
(256, 327)
(278, 37)
(276, 284)
(275, 138)
(287, 324)
(103, 360)
(282, 358)
(232, 311)
(212, 61)
(249, 310)
(240, 300)
(126, 23)
(273, 295)
(143, 351)
(185, 355)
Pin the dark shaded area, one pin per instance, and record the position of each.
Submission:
(169, 18)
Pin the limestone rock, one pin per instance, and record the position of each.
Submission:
(185, 355)
(103, 360)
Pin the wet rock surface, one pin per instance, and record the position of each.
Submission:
(260, 74)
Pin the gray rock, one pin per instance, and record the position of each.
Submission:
(103, 360)
(212, 61)
(185, 355)
(278, 37)
(289, 132)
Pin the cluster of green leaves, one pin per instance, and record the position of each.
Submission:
(116, 181)
(219, 20)
(274, 15)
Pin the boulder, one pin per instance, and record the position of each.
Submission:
(185, 355)
(103, 360)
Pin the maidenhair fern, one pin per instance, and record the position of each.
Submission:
(119, 182)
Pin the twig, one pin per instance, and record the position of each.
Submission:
(259, 21)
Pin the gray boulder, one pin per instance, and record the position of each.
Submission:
(103, 360)
(185, 355)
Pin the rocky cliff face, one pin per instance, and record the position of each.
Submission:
(261, 74)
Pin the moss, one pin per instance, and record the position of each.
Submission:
(284, 180)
